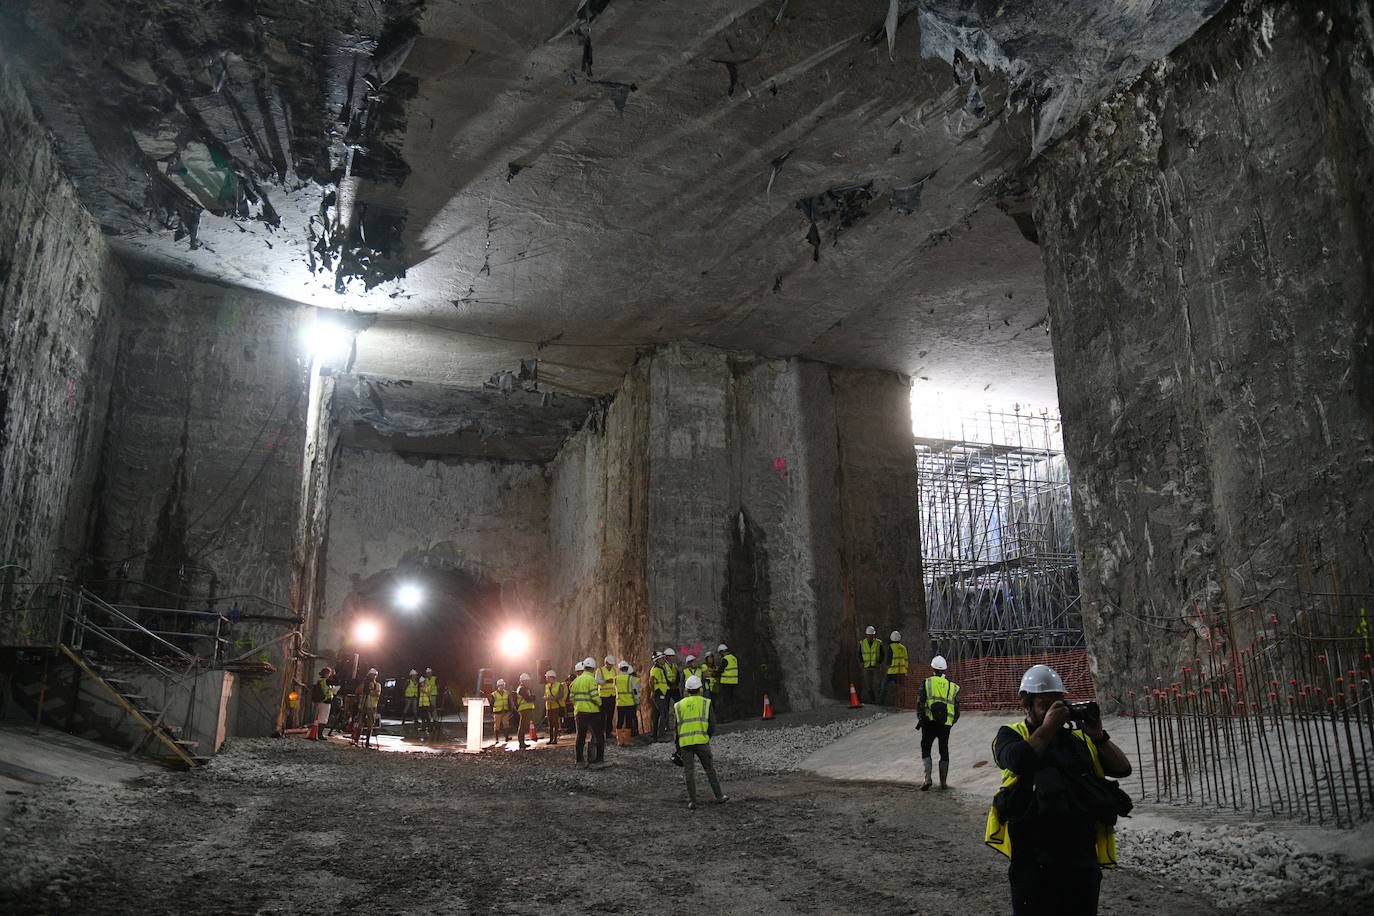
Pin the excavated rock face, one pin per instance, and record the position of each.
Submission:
(1207, 238)
(788, 177)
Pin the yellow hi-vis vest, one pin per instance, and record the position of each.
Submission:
(554, 694)
(693, 715)
(940, 689)
(624, 690)
(607, 685)
(729, 675)
(670, 670)
(998, 836)
(710, 676)
(584, 693)
(898, 663)
(659, 677)
(425, 695)
(432, 687)
(524, 698)
(500, 701)
(688, 672)
(412, 689)
(871, 650)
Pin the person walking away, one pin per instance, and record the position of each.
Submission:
(626, 708)
(524, 706)
(369, 700)
(938, 703)
(410, 711)
(694, 721)
(555, 694)
(729, 681)
(500, 712)
(658, 683)
(587, 708)
(897, 666)
(1055, 814)
(321, 693)
(871, 656)
(605, 684)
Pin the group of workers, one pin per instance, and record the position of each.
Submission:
(359, 712)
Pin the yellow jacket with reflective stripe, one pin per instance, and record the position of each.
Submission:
(898, 665)
(729, 673)
(555, 694)
(940, 690)
(412, 688)
(584, 694)
(693, 716)
(500, 701)
(425, 695)
(688, 672)
(432, 686)
(871, 650)
(998, 836)
(625, 689)
(607, 685)
(670, 670)
(524, 698)
(659, 677)
(710, 676)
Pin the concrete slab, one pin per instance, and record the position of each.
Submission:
(29, 760)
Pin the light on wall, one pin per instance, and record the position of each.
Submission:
(409, 596)
(514, 643)
(366, 632)
(326, 340)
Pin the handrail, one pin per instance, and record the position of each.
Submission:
(180, 612)
(108, 608)
(100, 631)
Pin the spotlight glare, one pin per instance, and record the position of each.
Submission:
(514, 643)
(326, 339)
(366, 632)
(409, 596)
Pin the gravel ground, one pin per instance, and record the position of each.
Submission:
(291, 826)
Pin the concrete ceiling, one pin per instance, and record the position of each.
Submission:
(574, 180)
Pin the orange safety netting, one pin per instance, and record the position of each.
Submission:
(991, 683)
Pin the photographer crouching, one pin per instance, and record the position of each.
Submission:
(1055, 815)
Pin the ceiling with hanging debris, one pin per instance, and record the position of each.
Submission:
(565, 181)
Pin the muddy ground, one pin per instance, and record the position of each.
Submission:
(291, 826)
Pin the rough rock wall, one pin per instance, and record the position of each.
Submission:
(486, 519)
(201, 473)
(598, 527)
(1207, 240)
(722, 480)
(60, 291)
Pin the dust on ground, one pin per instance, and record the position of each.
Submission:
(292, 826)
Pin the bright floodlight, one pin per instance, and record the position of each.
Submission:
(514, 643)
(366, 632)
(409, 596)
(326, 339)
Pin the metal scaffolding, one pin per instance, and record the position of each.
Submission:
(1000, 573)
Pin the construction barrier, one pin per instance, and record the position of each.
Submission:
(991, 683)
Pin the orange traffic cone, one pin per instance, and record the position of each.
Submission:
(767, 708)
(854, 698)
(533, 735)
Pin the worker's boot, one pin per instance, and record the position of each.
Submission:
(927, 762)
(944, 773)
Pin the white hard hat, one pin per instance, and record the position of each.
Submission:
(670, 653)
(429, 671)
(413, 672)
(610, 659)
(500, 682)
(690, 658)
(589, 662)
(722, 647)
(524, 677)
(372, 671)
(550, 673)
(1041, 679)
(939, 663)
(624, 665)
(870, 632)
(579, 667)
(694, 683)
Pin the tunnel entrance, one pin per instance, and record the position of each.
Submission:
(429, 614)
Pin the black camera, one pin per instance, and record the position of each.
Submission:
(1084, 712)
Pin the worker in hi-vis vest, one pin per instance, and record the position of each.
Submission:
(728, 682)
(938, 705)
(1051, 759)
(694, 721)
(871, 658)
(500, 713)
(412, 693)
(897, 665)
(555, 695)
(586, 702)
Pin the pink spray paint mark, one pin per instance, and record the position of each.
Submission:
(780, 465)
